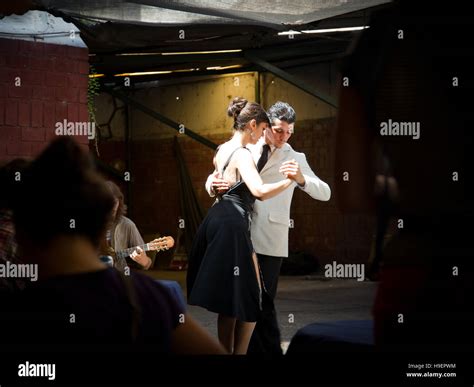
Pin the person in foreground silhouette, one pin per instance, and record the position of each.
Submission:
(60, 211)
(424, 297)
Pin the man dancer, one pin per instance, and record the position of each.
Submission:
(271, 218)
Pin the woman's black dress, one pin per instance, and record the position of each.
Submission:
(221, 273)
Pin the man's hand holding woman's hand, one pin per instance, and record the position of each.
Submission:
(291, 170)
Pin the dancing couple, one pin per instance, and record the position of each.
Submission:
(225, 275)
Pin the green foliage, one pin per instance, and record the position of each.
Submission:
(93, 89)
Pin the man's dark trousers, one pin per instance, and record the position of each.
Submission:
(266, 335)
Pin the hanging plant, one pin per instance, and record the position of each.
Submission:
(93, 89)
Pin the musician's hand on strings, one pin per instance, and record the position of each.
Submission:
(136, 253)
(218, 184)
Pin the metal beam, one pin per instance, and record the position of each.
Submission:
(160, 117)
(126, 62)
(118, 81)
(297, 48)
(257, 86)
(128, 157)
(290, 78)
(310, 60)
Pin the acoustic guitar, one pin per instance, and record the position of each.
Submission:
(158, 244)
(119, 258)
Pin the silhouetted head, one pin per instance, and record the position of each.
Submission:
(60, 193)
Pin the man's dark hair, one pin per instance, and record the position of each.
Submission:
(282, 111)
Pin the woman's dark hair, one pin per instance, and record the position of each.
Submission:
(244, 111)
(61, 193)
(118, 195)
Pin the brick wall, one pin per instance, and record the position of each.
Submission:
(319, 227)
(40, 84)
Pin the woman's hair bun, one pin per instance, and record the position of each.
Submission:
(236, 106)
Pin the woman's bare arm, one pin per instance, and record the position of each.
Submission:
(249, 173)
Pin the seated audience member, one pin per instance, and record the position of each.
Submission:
(124, 233)
(424, 296)
(60, 213)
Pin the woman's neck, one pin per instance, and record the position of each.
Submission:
(64, 255)
(240, 138)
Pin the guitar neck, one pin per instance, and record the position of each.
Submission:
(125, 253)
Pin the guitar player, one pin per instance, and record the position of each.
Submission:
(124, 234)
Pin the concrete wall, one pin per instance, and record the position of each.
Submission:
(322, 76)
(200, 106)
